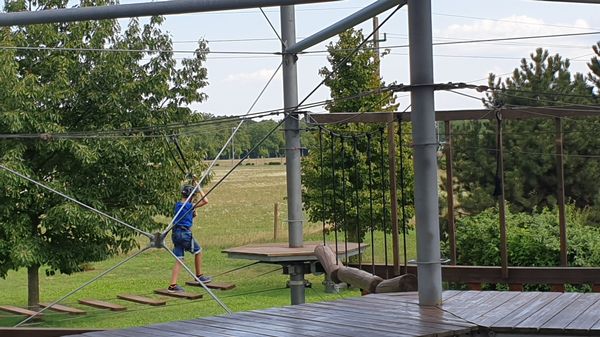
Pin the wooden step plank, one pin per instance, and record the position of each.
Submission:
(19, 311)
(181, 294)
(103, 305)
(212, 285)
(63, 308)
(141, 299)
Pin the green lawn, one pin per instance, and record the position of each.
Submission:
(240, 211)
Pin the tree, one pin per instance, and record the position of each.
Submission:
(68, 86)
(353, 81)
(529, 161)
(594, 65)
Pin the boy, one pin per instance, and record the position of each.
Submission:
(182, 236)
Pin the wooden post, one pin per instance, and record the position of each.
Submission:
(562, 221)
(450, 194)
(275, 220)
(501, 202)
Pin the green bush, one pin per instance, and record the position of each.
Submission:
(273, 163)
(532, 239)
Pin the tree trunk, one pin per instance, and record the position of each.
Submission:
(33, 287)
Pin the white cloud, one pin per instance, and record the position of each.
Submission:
(261, 75)
(515, 25)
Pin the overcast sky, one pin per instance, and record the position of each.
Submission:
(236, 80)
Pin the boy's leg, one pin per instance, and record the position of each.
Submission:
(198, 263)
(175, 274)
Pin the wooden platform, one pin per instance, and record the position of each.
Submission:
(102, 305)
(398, 314)
(141, 299)
(280, 252)
(212, 285)
(179, 294)
(63, 308)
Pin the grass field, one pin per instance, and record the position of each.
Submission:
(240, 211)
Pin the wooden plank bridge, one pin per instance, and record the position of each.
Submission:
(398, 314)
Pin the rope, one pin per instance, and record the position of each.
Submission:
(333, 208)
(345, 219)
(369, 159)
(322, 183)
(356, 201)
(402, 195)
(383, 202)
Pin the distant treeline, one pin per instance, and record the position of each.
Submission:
(211, 139)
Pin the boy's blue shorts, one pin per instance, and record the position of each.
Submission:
(183, 241)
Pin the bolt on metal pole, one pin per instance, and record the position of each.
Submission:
(425, 147)
(292, 151)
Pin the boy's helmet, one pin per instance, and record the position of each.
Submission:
(187, 190)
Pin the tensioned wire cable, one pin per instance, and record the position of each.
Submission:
(288, 115)
(192, 128)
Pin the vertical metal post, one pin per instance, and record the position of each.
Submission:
(562, 220)
(501, 197)
(425, 146)
(450, 193)
(292, 152)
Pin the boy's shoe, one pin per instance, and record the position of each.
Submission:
(174, 288)
(204, 278)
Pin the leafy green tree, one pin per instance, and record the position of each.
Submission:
(69, 86)
(529, 160)
(353, 80)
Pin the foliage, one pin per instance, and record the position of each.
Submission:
(529, 145)
(211, 140)
(532, 239)
(342, 178)
(50, 90)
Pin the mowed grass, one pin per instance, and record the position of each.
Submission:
(240, 211)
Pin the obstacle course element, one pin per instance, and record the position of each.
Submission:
(19, 311)
(63, 309)
(102, 305)
(181, 294)
(141, 299)
(369, 283)
(212, 285)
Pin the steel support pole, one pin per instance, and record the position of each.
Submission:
(136, 10)
(425, 147)
(292, 152)
(348, 22)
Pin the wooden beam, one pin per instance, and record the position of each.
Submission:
(103, 305)
(189, 296)
(20, 311)
(457, 115)
(141, 299)
(63, 308)
(43, 332)
(516, 275)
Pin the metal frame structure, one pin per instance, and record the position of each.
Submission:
(423, 117)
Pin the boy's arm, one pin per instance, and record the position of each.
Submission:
(203, 201)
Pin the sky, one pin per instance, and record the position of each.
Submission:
(237, 74)
(237, 79)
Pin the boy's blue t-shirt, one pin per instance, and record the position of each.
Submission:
(186, 216)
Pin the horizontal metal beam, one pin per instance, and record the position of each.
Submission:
(350, 21)
(580, 1)
(456, 115)
(516, 275)
(137, 10)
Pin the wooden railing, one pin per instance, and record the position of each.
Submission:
(475, 276)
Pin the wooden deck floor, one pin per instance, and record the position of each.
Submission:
(398, 314)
